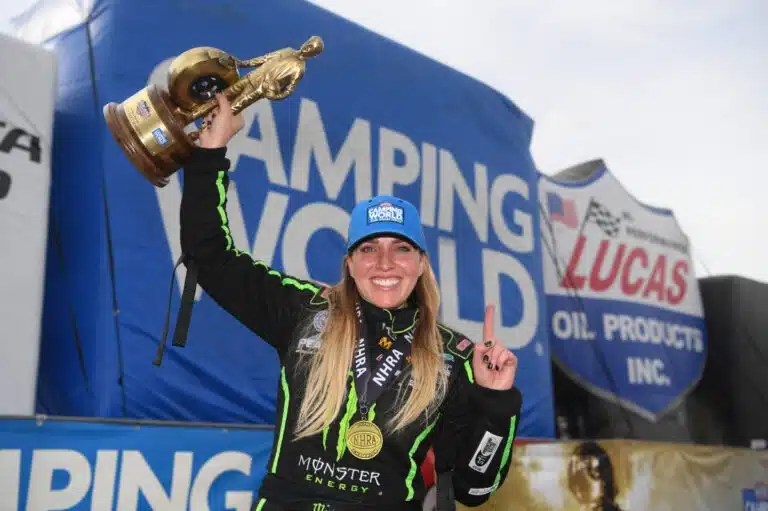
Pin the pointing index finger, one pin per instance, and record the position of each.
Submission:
(488, 333)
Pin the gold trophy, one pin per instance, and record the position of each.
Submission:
(149, 125)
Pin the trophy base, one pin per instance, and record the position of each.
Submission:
(151, 133)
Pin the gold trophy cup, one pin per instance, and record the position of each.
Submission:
(149, 126)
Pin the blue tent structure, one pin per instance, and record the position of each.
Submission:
(370, 116)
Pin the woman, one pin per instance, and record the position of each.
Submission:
(369, 379)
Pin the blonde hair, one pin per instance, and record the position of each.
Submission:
(328, 368)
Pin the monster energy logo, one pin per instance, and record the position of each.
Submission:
(338, 477)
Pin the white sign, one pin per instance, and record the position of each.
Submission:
(27, 102)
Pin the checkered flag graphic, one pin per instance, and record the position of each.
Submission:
(603, 218)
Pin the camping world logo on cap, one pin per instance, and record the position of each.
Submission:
(386, 212)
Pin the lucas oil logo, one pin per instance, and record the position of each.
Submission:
(386, 212)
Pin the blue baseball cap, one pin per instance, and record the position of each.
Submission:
(385, 214)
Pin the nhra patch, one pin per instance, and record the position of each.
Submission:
(386, 212)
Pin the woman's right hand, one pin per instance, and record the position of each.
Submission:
(220, 125)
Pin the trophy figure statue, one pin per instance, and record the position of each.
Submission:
(149, 126)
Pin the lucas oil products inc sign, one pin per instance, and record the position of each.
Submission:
(625, 316)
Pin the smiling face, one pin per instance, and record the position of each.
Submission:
(385, 270)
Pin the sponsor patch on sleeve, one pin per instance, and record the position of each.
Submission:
(482, 491)
(485, 452)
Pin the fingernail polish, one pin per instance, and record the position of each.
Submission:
(485, 358)
(490, 366)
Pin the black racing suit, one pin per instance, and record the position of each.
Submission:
(472, 434)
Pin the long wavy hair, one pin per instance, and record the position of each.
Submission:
(328, 368)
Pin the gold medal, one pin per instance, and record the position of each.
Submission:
(364, 440)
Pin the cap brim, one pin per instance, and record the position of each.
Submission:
(393, 234)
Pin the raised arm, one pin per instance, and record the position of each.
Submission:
(263, 299)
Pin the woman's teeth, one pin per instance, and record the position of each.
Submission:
(386, 282)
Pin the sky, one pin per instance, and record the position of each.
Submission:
(672, 95)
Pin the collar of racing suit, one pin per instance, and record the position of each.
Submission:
(398, 320)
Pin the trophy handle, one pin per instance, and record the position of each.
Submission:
(197, 74)
(204, 109)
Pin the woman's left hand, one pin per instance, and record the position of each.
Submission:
(493, 364)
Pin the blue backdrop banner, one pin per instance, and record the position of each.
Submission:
(52, 464)
(370, 117)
